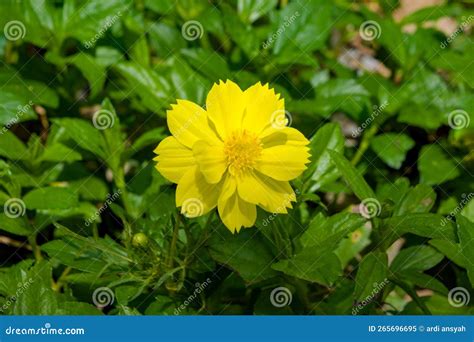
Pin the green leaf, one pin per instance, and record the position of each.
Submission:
(18, 225)
(419, 199)
(251, 10)
(435, 167)
(246, 253)
(152, 137)
(240, 32)
(37, 298)
(311, 266)
(186, 83)
(392, 148)
(68, 308)
(327, 233)
(85, 21)
(347, 95)
(438, 305)
(321, 170)
(372, 274)
(429, 13)
(353, 244)
(10, 277)
(165, 38)
(468, 210)
(152, 89)
(51, 198)
(427, 225)
(91, 69)
(11, 147)
(416, 258)
(451, 250)
(393, 191)
(114, 140)
(210, 64)
(355, 180)
(59, 153)
(90, 188)
(83, 134)
(425, 281)
(30, 91)
(14, 108)
(296, 27)
(466, 242)
(87, 254)
(425, 117)
(317, 261)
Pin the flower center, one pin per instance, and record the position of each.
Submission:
(242, 150)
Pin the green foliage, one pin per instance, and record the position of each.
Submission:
(384, 209)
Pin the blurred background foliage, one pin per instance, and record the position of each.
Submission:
(92, 213)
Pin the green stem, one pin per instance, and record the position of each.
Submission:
(364, 144)
(174, 240)
(412, 293)
(95, 231)
(57, 286)
(201, 241)
(35, 248)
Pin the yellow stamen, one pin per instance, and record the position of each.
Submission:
(242, 150)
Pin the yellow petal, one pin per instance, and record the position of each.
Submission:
(211, 160)
(194, 195)
(234, 212)
(188, 123)
(229, 187)
(283, 162)
(272, 195)
(174, 159)
(263, 107)
(282, 136)
(225, 107)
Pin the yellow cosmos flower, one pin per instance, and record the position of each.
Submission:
(235, 154)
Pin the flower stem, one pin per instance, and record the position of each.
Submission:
(364, 144)
(35, 247)
(174, 240)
